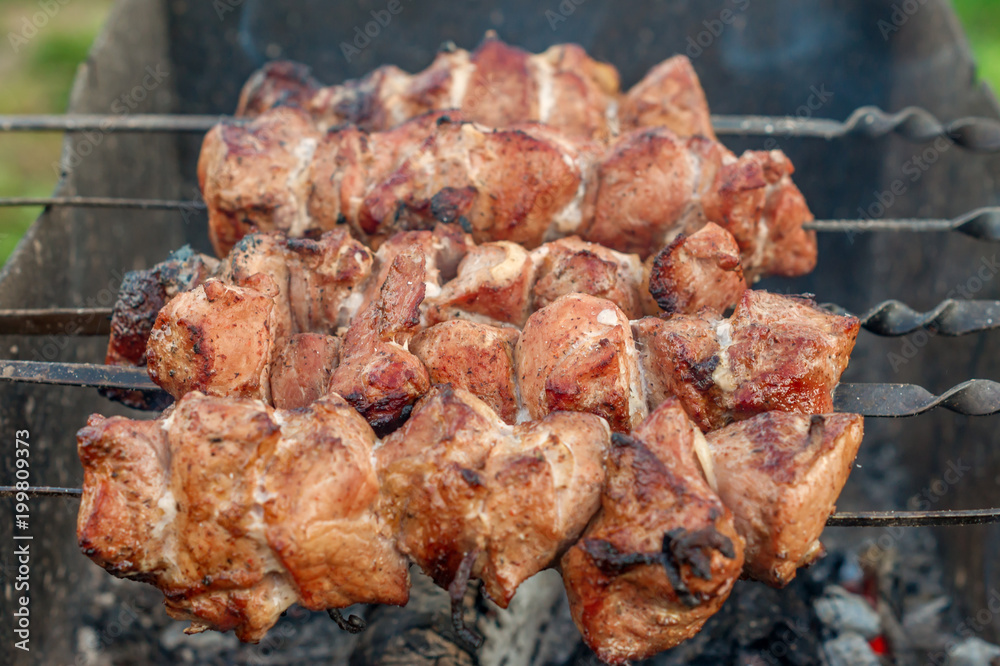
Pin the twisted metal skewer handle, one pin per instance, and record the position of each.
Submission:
(919, 125)
(951, 317)
(982, 223)
(976, 397)
(912, 123)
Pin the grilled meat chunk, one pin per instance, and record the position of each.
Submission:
(781, 474)
(775, 353)
(473, 497)
(119, 525)
(475, 357)
(784, 354)
(498, 85)
(377, 375)
(217, 339)
(679, 356)
(570, 265)
(493, 286)
(300, 372)
(236, 511)
(545, 486)
(525, 184)
(578, 354)
(443, 249)
(315, 277)
(652, 185)
(238, 162)
(670, 95)
(321, 510)
(141, 296)
(221, 572)
(698, 271)
(662, 554)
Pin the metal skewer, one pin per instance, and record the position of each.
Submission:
(840, 519)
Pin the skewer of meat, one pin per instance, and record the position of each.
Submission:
(496, 85)
(526, 184)
(323, 283)
(236, 510)
(579, 353)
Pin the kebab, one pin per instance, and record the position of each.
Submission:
(236, 510)
(323, 283)
(526, 184)
(579, 353)
(496, 85)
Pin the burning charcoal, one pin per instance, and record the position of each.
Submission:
(974, 652)
(847, 613)
(850, 649)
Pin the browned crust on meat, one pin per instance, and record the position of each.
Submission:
(571, 265)
(376, 374)
(781, 474)
(669, 95)
(662, 554)
(216, 339)
(476, 357)
(300, 372)
(698, 271)
(322, 490)
(644, 186)
(122, 468)
(787, 354)
(679, 356)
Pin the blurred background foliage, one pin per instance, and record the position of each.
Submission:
(37, 78)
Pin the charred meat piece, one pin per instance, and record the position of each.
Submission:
(141, 296)
(473, 497)
(698, 271)
(235, 511)
(570, 265)
(662, 554)
(475, 357)
(321, 510)
(217, 339)
(780, 474)
(526, 184)
(377, 375)
(493, 286)
(300, 372)
(578, 354)
(775, 353)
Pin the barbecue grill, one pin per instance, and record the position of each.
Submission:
(907, 201)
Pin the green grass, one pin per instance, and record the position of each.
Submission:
(981, 19)
(37, 79)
